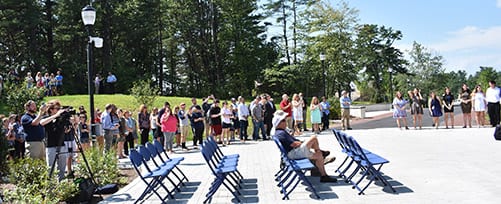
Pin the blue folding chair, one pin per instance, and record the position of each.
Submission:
(371, 163)
(156, 151)
(155, 177)
(220, 156)
(221, 171)
(169, 166)
(294, 168)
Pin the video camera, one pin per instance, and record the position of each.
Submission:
(65, 116)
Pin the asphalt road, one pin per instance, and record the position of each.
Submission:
(387, 121)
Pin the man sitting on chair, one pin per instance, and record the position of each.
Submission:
(297, 149)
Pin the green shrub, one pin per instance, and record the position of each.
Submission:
(33, 185)
(335, 110)
(17, 95)
(3, 155)
(103, 166)
(143, 92)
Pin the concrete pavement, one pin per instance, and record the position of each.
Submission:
(426, 166)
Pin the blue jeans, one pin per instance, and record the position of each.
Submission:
(243, 129)
(258, 125)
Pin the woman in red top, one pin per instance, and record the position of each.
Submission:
(169, 127)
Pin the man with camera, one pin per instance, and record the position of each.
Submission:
(35, 132)
(54, 130)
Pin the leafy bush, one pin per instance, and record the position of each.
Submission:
(3, 155)
(335, 110)
(143, 92)
(103, 166)
(17, 95)
(33, 184)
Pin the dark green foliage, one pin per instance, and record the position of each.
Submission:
(33, 185)
(17, 95)
(104, 166)
(3, 155)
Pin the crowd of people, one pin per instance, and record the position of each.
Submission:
(476, 102)
(52, 131)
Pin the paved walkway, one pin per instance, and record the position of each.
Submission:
(426, 166)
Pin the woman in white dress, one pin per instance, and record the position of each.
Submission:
(297, 113)
(479, 105)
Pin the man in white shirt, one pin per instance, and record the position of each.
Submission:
(243, 115)
(492, 96)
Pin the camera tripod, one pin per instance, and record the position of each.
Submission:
(81, 151)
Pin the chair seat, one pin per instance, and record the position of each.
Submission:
(226, 169)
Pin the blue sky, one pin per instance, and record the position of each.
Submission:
(467, 33)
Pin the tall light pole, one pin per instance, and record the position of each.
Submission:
(322, 59)
(88, 18)
(390, 70)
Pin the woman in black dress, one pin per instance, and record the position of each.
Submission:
(416, 107)
(447, 100)
(465, 97)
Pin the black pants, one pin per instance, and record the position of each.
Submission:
(269, 125)
(243, 129)
(129, 143)
(144, 135)
(493, 110)
(197, 135)
(325, 121)
(20, 149)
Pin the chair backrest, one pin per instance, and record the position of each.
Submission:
(152, 149)
(337, 135)
(135, 158)
(279, 145)
(154, 152)
(160, 148)
(207, 153)
(144, 152)
(357, 149)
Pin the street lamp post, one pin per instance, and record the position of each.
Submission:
(322, 59)
(390, 71)
(88, 18)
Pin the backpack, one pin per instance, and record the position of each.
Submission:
(497, 132)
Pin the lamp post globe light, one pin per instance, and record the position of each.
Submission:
(322, 59)
(88, 18)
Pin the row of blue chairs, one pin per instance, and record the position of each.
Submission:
(153, 165)
(367, 162)
(223, 167)
(291, 172)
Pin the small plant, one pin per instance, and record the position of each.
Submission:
(33, 184)
(103, 166)
(143, 92)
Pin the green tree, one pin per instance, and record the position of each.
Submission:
(144, 93)
(378, 59)
(329, 31)
(426, 69)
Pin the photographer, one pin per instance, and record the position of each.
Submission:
(54, 131)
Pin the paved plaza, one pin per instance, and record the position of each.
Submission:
(426, 166)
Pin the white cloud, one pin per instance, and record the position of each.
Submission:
(498, 3)
(470, 47)
(470, 37)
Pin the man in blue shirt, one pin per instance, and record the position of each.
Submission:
(59, 83)
(297, 149)
(35, 132)
(108, 127)
(345, 102)
(325, 113)
(111, 80)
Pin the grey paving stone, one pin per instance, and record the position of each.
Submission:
(426, 166)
